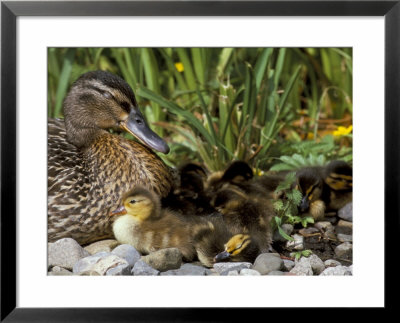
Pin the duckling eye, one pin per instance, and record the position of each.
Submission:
(138, 121)
(132, 201)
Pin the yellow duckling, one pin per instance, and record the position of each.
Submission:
(143, 224)
(241, 247)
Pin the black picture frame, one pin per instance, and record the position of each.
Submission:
(10, 10)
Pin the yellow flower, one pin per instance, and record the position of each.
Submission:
(341, 131)
(179, 67)
(258, 172)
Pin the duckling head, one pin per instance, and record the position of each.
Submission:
(235, 247)
(228, 199)
(98, 101)
(339, 175)
(310, 184)
(237, 172)
(140, 204)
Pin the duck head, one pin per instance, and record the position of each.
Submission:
(310, 184)
(139, 203)
(100, 100)
(234, 247)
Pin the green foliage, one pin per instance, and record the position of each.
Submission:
(223, 104)
(303, 253)
(286, 207)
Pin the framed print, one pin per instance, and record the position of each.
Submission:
(47, 45)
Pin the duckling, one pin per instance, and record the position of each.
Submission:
(238, 173)
(88, 167)
(241, 247)
(324, 188)
(314, 190)
(189, 197)
(338, 175)
(246, 213)
(142, 223)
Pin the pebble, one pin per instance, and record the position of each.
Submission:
(297, 243)
(337, 271)
(332, 263)
(58, 271)
(187, 270)
(141, 268)
(344, 237)
(288, 264)
(233, 273)
(344, 227)
(164, 259)
(225, 267)
(108, 262)
(317, 265)
(302, 267)
(287, 228)
(120, 270)
(127, 252)
(346, 212)
(102, 245)
(267, 262)
(276, 273)
(65, 253)
(249, 272)
(85, 264)
(344, 250)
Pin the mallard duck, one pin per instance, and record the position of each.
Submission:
(241, 247)
(189, 196)
(324, 188)
(246, 213)
(89, 168)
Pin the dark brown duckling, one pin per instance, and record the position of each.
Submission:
(189, 197)
(88, 167)
(246, 213)
(324, 188)
(338, 175)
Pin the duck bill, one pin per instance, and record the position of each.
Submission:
(304, 204)
(222, 256)
(137, 125)
(120, 211)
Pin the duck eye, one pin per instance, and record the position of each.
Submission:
(107, 95)
(126, 106)
(132, 201)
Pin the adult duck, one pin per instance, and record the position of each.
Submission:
(90, 168)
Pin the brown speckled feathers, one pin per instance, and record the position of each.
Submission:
(84, 185)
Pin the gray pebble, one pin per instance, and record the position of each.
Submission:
(346, 212)
(344, 227)
(141, 268)
(337, 271)
(225, 267)
(86, 263)
(344, 250)
(317, 265)
(59, 271)
(103, 245)
(187, 270)
(276, 273)
(120, 270)
(332, 263)
(65, 253)
(233, 273)
(344, 237)
(302, 267)
(164, 259)
(249, 272)
(288, 264)
(267, 262)
(129, 253)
